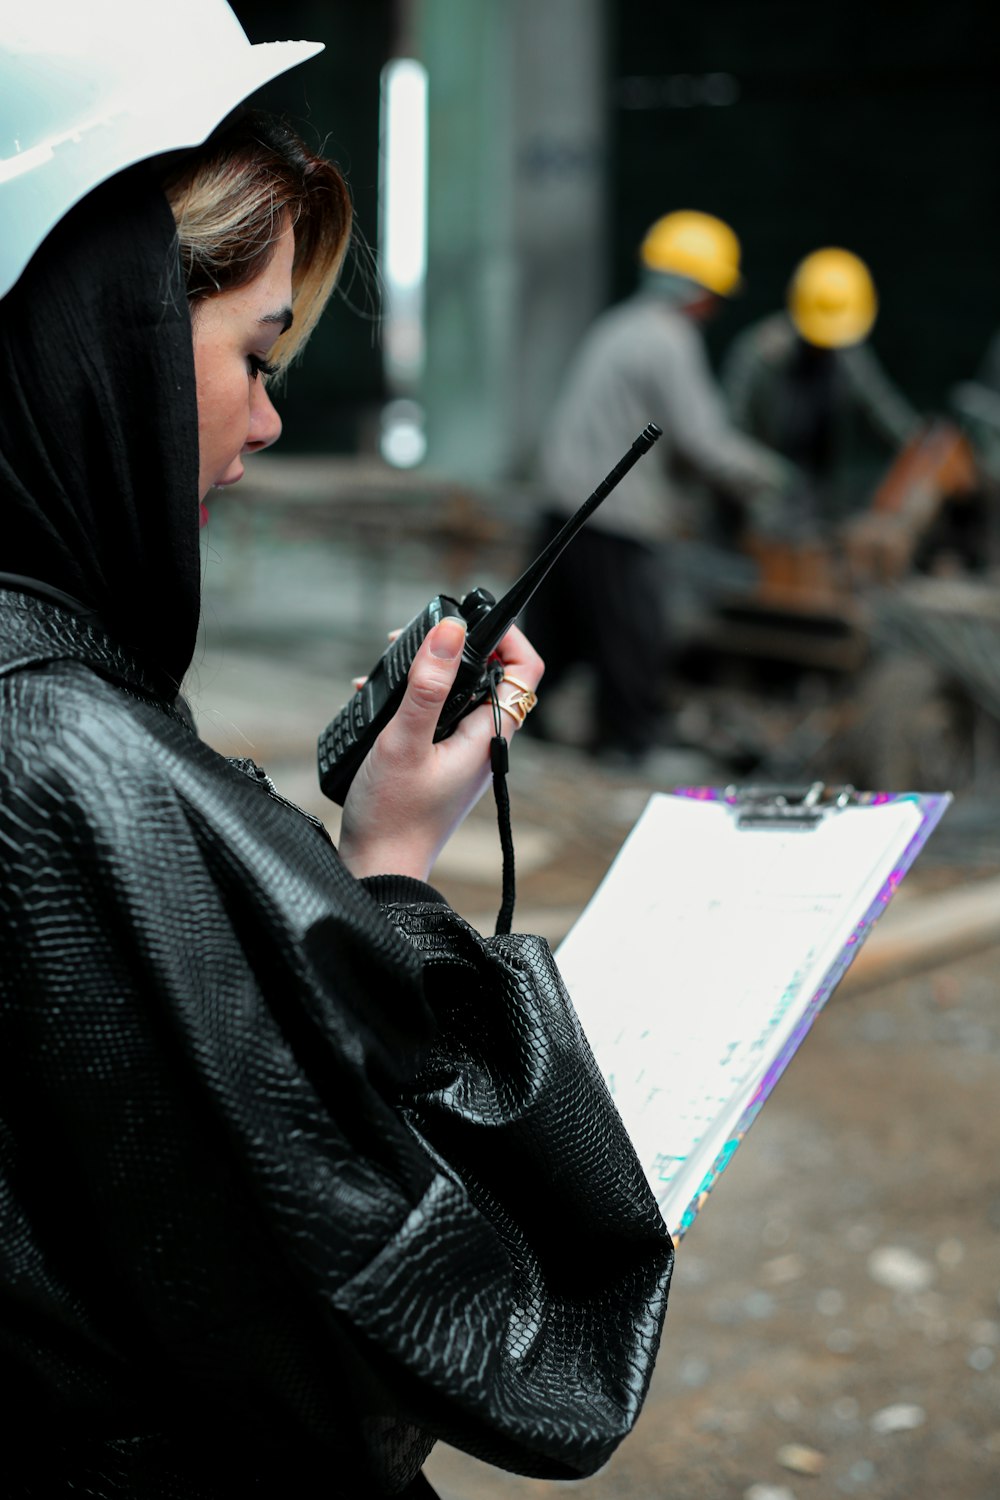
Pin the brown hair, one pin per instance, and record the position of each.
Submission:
(234, 197)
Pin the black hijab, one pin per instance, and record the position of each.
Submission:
(99, 423)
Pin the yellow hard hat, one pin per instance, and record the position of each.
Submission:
(831, 299)
(696, 245)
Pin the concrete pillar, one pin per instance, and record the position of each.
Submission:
(517, 229)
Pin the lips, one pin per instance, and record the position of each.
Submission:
(223, 484)
(220, 484)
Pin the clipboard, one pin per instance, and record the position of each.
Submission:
(721, 929)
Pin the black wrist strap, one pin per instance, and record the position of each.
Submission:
(499, 763)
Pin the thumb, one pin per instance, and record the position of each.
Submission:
(431, 676)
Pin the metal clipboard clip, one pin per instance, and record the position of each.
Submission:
(793, 808)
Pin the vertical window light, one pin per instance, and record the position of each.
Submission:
(403, 253)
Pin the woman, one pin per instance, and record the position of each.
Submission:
(298, 1174)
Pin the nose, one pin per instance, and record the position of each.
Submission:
(265, 423)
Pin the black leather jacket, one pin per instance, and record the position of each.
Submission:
(296, 1175)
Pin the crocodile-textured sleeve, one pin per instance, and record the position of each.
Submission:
(512, 1104)
(251, 1233)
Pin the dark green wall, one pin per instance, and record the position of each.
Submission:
(333, 101)
(866, 125)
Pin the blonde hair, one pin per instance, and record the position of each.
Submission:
(233, 198)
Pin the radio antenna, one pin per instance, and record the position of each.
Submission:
(490, 630)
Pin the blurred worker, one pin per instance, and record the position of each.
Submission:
(806, 383)
(642, 360)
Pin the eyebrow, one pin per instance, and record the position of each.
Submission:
(283, 318)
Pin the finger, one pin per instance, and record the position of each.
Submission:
(515, 698)
(428, 684)
(522, 672)
(522, 669)
(520, 658)
(516, 703)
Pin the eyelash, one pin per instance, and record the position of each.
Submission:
(260, 366)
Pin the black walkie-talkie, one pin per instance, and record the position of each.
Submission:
(348, 738)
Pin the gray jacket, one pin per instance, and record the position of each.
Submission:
(643, 361)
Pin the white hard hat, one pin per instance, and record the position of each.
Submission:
(88, 87)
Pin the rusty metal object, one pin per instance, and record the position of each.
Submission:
(936, 467)
(842, 611)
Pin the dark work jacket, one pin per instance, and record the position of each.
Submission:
(295, 1176)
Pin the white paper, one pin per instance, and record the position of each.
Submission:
(695, 961)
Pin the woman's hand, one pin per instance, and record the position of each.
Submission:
(410, 794)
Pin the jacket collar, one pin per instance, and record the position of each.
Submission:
(35, 630)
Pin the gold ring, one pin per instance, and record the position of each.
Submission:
(520, 706)
(516, 682)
